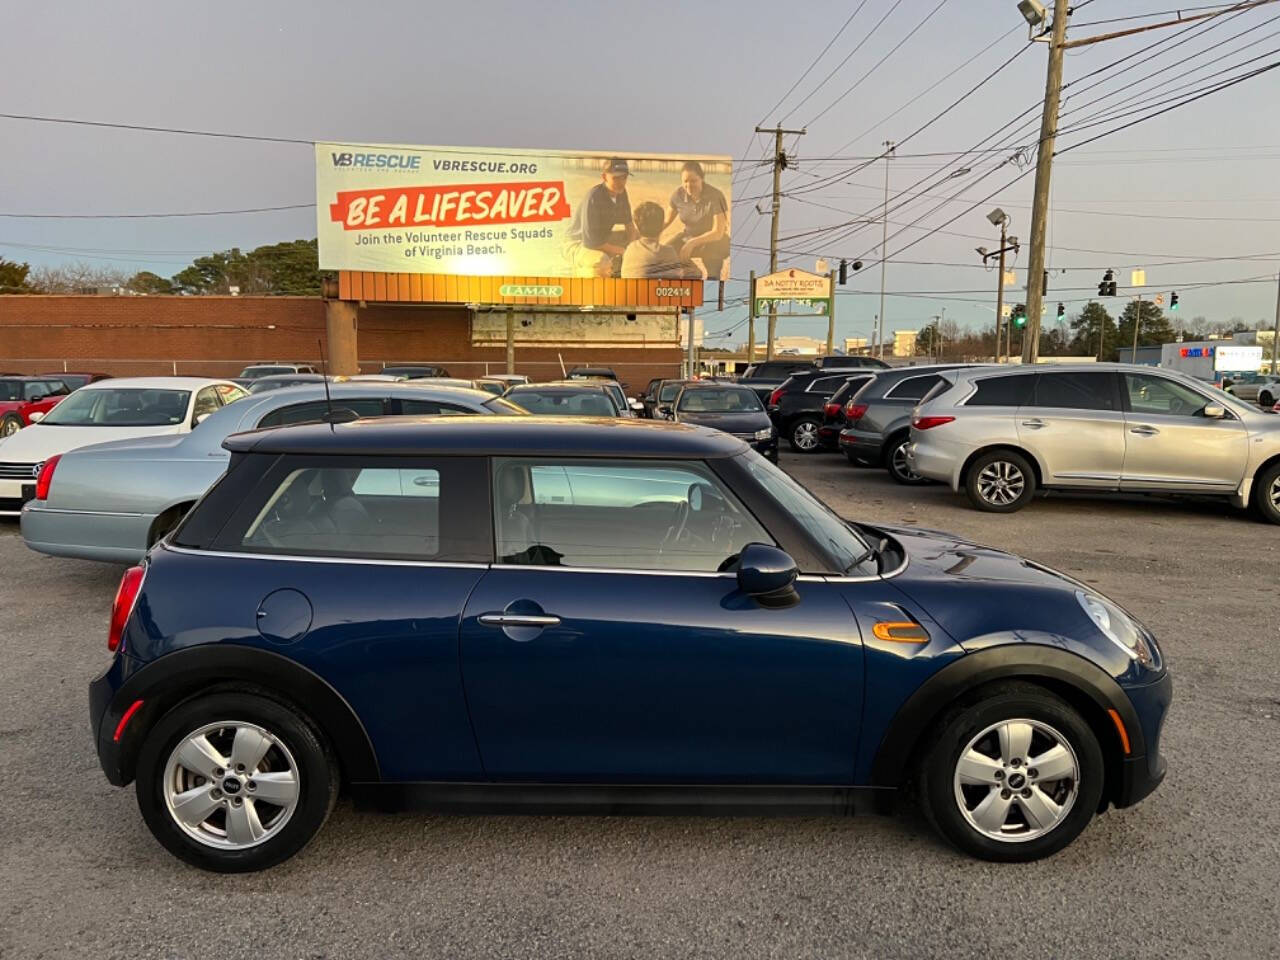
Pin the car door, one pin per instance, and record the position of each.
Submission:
(1171, 444)
(606, 646)
(50, 393)
(1075, 428)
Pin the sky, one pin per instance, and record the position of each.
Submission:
(691, 77)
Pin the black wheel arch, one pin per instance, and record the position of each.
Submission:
(1082, 684)
(177, 677)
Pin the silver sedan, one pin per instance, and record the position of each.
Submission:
(112, 501)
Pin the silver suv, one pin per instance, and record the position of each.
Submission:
(1002, 434)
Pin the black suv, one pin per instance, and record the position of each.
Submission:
(836, 410)
(797, 406)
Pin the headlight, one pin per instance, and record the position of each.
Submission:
(764, 434)
(1117, 627)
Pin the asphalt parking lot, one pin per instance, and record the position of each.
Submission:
(1192, 871)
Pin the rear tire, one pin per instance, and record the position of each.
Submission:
(1000, 482)
(1013, 774)
(1265, 399)
(802, 435)
(1266, 494)
(895, 461)
(10, 424)
(207, 731)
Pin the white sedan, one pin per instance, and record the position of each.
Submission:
(116, 409)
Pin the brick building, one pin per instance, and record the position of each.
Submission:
(218, 336)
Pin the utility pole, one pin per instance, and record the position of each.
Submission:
(884, 245)
(751, 320)
(779, 161)
(1044, 170)
(831, 313)
(1137, 322)
(1275, 337)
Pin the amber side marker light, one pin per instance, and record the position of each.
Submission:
(1124, 734)
(900, 631)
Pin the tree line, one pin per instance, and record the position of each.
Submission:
(279, 269)
(1093, 332)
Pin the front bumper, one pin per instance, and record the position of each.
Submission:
(14, 493)
(1139, 776)
(766, 448)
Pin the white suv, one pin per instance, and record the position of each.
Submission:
(1002, 434)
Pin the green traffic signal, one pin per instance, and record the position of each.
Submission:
(1173, 300)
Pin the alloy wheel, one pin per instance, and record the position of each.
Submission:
(1274, 493)
(805, 435)
(898, 459)
(1001, 483)
(8, 428)
(1016, 780)
(231, 785)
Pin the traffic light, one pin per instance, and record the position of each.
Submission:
(845, 265)
(1107, 288)
(1020, 315)
(1173, 300)
(1062, 311)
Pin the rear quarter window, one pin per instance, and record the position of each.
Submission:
(1002, 392)
(913, 388)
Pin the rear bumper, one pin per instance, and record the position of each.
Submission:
(1139, 776)
(934, 460)
(829, 436)
(105, 714)
(108, 537)
(864, 444)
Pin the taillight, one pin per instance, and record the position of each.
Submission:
(855, 411)
(928, 423)
(45, 476)
(831, 409)
(775, 397)
(122, 607)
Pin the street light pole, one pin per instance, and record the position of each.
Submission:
(1275, 337)
(1044, 170)
(884, 245)
(1004, 231)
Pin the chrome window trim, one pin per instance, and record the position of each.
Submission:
(468, 565)
(320, 558)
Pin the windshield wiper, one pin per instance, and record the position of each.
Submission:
(871, 553)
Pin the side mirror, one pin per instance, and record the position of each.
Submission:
(37, 398)
(664, 410)
(635, 404)
(201, 418)
(35, 417)
(1214, 411)
(768, 575)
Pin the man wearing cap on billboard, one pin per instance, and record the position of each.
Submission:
(594, 242)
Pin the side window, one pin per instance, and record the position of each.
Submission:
(826, 385)
(206, 403)
(429, 408)
(913, 388)
(1002, 392)
(1077, 391)
(1159, 395)
(314, 410)
(629, 515)
(369, 511)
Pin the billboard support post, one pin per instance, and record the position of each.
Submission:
(831, 314)
(340, 331)
(693, 350)
(511, 341)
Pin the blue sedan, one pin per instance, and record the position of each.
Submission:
(613, 616)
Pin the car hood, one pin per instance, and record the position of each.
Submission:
(728, 422)
(986, 597)
(41, 441)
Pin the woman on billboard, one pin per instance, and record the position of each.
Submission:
(704, 220)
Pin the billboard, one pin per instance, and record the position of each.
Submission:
(792, 286)
(487, 212)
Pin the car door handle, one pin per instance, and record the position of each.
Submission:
(1035, 424)
(519, 620)
(1145, 431)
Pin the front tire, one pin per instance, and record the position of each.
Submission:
(1265, 399)
(1014, 774)
(1000, 482)
(1266, 494)
(803, 435)
(234, 782)
(10, 424)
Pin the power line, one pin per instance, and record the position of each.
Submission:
(814, 63)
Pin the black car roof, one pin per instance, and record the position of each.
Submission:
(493, 436)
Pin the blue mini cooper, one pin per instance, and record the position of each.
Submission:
(605, 616)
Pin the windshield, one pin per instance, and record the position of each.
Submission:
(845, 546)
(501, 405)
(669, 391)
(120, 407)
(564, 404)
(725, 400)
